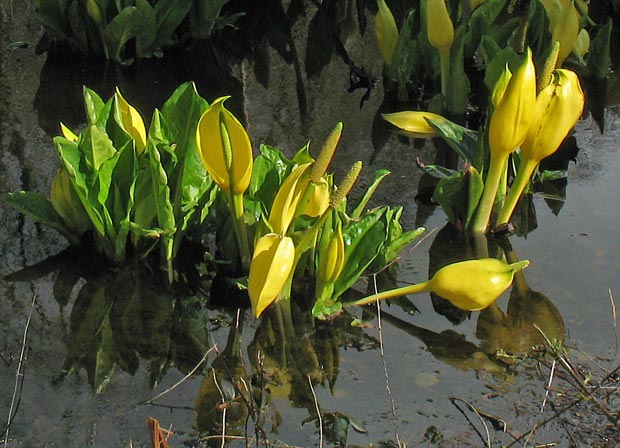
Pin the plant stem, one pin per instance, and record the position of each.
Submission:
(390, 294)
(444, 60)
(526, 168)
(488, 195)
(240, 230)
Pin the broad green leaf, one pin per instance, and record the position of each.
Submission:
(495, 59)
(460, 139)
(480, 23)
(79, 37)
(52, 15)
(406, 57)
(93, 104)
(39, 209)
(437, 171)
(475, 188)
(363, 240)
(119, 31)
(144, 21)
(181, 113)
(598, 57)
(96, 147)
(204, 16)
(104, 358)
(457, 99)
(168, 16)
(82, 178)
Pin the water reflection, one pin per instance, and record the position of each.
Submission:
(120, 318)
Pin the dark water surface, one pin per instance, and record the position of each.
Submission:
(575, 267)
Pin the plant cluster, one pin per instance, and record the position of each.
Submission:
(455, 42)
(529, 118)
(123, 30)
(193, 177)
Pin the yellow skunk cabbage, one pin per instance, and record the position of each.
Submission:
(225, 148)
(507, 129)
(439, 27)
(131, 121)
(387, 32)
(272, 263)
(414, 123)
(558, 107)
(470, 285)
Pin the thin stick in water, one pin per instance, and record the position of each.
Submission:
(318, 411)
(19, 376)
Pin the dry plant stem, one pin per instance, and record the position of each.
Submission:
(318, 412)
(385, 369)
(19, 376)
(613, 313)
(223, 398)
(544, 403)
(178, 383)
(475, 411)
(576, 378)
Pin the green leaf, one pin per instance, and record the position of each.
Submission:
(119, 31)
(462, 140)
(475, 188)
(480, 23)
(93, 104)
(96, 147)
(144, 21)
(437, 171)
(458, 86)
(374, 184)
(598, 57)
(495, 59)
(39, 209)
(168, 16)
(363, 240)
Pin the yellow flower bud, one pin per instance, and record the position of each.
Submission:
(566, 30)
(67, 204)
(272, 263)
(131, 121)
(68, 133)
(414, 123)
(558, 108)
(94, 11)
(470, 285)
(512, 116)
(582, 44)
(500, 87)
(288, 197)
(387, 32)
(439, 26)
(225, 148)
(332, 261)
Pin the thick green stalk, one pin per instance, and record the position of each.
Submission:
(488, 195)
(524, 173)
(444, 60)
(390, 294)
(241, 233)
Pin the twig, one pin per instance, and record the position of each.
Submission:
(544, 403)
(475, 411)
(580, 384)
(224, 407)
(182, 380)
(19, 376)
(318, 411)
(613, 313)
(385, 369)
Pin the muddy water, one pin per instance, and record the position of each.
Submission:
(428, 359)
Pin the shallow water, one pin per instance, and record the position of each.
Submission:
(428, 359)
